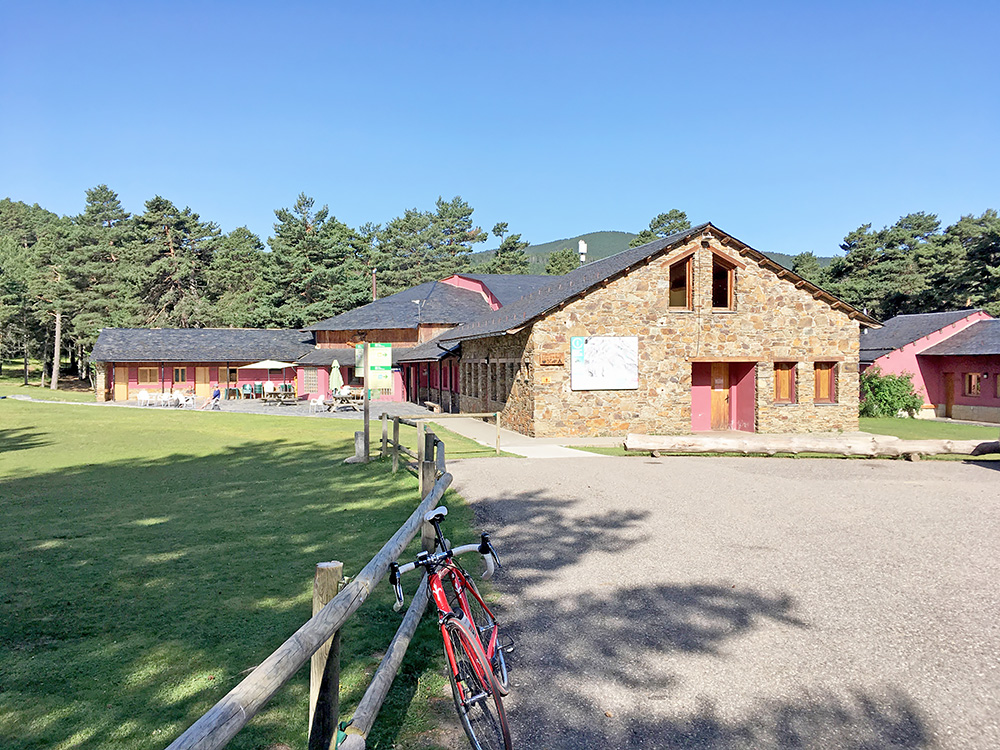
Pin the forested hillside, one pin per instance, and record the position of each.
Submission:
(63, 278)
(599, 245)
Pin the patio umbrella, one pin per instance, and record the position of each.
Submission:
(336, 379)
(268, 364)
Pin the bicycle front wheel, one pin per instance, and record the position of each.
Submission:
(475, 689)
(486, 624)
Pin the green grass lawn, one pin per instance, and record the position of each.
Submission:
(151, 557)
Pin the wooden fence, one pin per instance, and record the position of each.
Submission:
(393, 447)
(318, 639)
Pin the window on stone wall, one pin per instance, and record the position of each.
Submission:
(973, 384)
(825, 376)
(723, 277)
(680, 284)
(784, 382)
(148, 375)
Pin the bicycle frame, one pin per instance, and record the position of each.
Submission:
(460, 585)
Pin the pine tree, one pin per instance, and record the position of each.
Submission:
(235, 282)
(106, 289)
(663, 225)
(562, 261)
(318, 266)
(807, 266)
(173, 246)
(509, 257)
(981, 277)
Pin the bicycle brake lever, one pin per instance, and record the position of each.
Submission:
(397, 587)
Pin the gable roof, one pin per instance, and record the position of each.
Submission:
(981, 338)
(563, 288)
(429, 351)
(429, 303)
(897, 332)
(199, 345)
(508, 287)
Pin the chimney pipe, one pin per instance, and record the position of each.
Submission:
(583, 252)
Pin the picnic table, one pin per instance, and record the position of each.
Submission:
(351, 401)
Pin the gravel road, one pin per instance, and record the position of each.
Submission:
(747, 603)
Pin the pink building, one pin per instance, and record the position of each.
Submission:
(953, 357)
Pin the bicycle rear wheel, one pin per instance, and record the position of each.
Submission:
(475, 690)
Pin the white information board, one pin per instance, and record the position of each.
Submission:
(604, 363)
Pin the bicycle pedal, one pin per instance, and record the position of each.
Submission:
(506, 644)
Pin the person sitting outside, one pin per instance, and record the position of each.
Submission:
(213, 403)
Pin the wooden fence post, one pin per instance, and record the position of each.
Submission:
(324, 672)
(498, 433)
(421, 431)
(395, 444)
(385, 434)
(427, 467)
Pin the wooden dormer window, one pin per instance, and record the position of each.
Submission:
(723, 284)
(680, 284)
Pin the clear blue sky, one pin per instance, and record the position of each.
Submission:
(786, 124)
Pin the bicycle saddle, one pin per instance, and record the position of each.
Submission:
(436, 514)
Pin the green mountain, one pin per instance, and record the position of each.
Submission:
(599, 245)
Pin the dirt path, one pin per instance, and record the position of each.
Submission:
(747, 603)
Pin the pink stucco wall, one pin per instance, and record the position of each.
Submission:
(926, 371)
(988, 365)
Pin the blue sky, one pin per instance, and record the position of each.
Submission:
(786, 124)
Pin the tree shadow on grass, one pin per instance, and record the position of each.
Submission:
(137, 593)
(21, 438)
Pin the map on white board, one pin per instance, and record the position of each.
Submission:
(604, 363)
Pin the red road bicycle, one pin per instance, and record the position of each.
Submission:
(473, 646)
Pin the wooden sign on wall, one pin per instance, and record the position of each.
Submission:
(551, 360)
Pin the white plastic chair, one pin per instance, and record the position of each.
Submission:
(143, 397)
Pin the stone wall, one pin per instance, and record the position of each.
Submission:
(101, 380)
(771, 320)
(496, 375)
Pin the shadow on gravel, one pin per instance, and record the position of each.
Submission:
(854, 720)
(581, 655)
(576, 658)
(995, 465)
(541, 534)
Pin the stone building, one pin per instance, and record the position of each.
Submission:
(696, 331)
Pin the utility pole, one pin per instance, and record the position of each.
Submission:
(368, 381)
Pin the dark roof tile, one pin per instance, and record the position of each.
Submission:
(199, 345)
(897, 332)
(979, 339)
(428, 303)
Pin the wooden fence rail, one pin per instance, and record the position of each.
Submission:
(394, 447)
(216, 727)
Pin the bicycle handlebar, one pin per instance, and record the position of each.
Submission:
(484, 548)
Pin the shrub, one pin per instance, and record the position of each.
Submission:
(888, 395)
